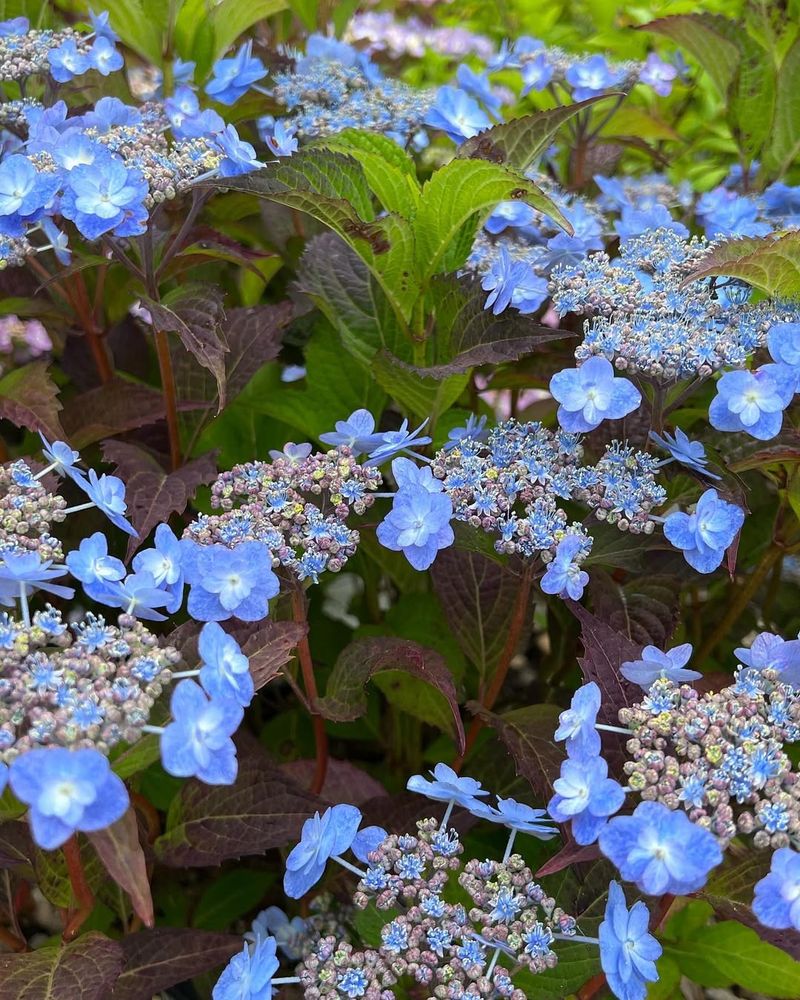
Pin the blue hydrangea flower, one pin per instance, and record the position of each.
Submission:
(104, 57)
(536, 74)
(478, 86)
(25, 570)
(105, 196)
(357, 432)
(248, 975)
(61, 458)
(654, 664)
(723, 213)
(636, 220)
(288, 933)
(690, 453)
(516, 816)
(24, 192)
(457, 114)
(165, 564)
(704, 535)
(777, 896)
(407, 475)
(225, 670)
(592, 76)
(628, 952)
(447, 786)
(658, 74)
(773, 652)
(281, 140)
(753, 402)
(137, 594)
(101, 25)
(107, 493)
(232, 78)
(783, 341)
(239, 157)
(67, 790)
(509, 215)
(395, 442)
(225, 583)
(197, 743)
(591, 394)
(67, 61)
(564, 575)
(474, 430)
(418, 525)
(660, 849)
(323, 837)
(576, 725)
(585, 797)
(91, 564)
(513, 283)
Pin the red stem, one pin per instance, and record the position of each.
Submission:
(80, 888)
(307, 668)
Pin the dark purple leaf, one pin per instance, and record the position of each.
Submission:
(570, 854)
(345, 698)
(478, 596)
(644, 609)
(110, 409)
(87, 969)
(604, 649)
(16, 846)
(154, 495)
(527, 734)
(196, 315)
(119, 849)
(29, 398)
(271, 648)
(344, 782)
(158, 959)
(212, 824)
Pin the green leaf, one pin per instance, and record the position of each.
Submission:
(452, 203)
(770, 263)
(29, 398)
(138, 24)
(669, 977)
(752, 96)
(305, 11)
(728, 954)
(230, 896)
(707, 37)
(136, 758)
(87, 969)
(231, 18)
(419, 394)
(518, 143)
(784, 148)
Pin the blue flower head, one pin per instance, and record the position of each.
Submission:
(418, 525)
(395, 442)
(104, 57)
(61, 458)
(592, 76)
(509, 215)
(248, 975)
(232, 78)
(229, 582)
(773, 652)
(655, 664)
(704, 535)
(165, 564)
(660, 849)
(692, 454)
(91, 564)
(104, 196)
(586, 797)
(225, 670)
(777, 895)
(357, 432)
(137, 594)
(576, 725)
(513, 283)
(26, 570)
(628, 952)
(591, 394)
(281, 139)
(323, 837)
(536, 74)
(753, 402)
(238, 156)
(197, 743)
(516, 816)
(447, 786)
(289, 934)
(67, 790)
(658, 74)
(107, 493)
(783, 341)
(67, 61)
(478, 86)
(457, 114)
(564, 575)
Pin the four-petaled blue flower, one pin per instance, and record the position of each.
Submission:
(248, 975)
(25, 571)
(654, 664)
(564, 575)
(516, 816)
(591, 394)
(418, 525)
(777, 895)
(197, 743)
(783, 341)
(108, 494)
(513, 282)
(288, 934)
(233, 77)
(658, 74)
(357, 432)
(576, 725)
(281, 140)
(323, 837)
(93, 566)
(457, 114)
(773, 652)
(628, 952)
(224, 670)
(165, 564)
(585, 797)
(67, 61)
(660, 849)
(690, 453)
(447, 786)
(753, 402)
(473, 430)
(395, 442)
(704, 535)
(61, 458)
(592, 76)
(67, 790)
(229, 582)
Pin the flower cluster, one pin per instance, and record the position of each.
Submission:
(21, 341)
(62, 54)
(452, 950)
(413, 37)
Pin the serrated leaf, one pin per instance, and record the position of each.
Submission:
(646, 610)
(770, 263)
(604, 649)
(518, 143)
(452, 203)
(29, 398)
(211, 824)
(119, 849)
(158, 959)
(784, 147)
(87, 969)
(752, 96)
(271, 648)
(706, 36)
(345, 698)
(112, 408)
